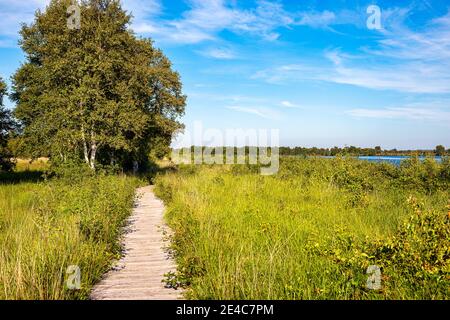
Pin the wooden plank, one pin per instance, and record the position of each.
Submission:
(139, 274)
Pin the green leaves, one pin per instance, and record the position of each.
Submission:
(6, 125)
(97, 93)
(419, 254)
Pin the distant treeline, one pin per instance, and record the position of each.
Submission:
(356, 151)
(351, 151)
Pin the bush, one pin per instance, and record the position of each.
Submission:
(6, 164)
(428, 175)
(418, 256)
(415, 261)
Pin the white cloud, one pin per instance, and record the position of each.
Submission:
(15, 12)
(289, 104)
(218, 53)
(290, 72)
(403, 60)
(12, 14)
(402, 113)
(143, 9)
(258, 111)
(205, 19)
(227, 98)
(317, 19)
(413, 76)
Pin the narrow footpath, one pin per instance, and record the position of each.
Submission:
(139, 274)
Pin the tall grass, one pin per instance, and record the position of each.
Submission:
(45, 227)
(309, 232)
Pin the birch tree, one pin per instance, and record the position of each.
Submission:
(98, 92)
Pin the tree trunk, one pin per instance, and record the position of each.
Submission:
(93, 151)
(93, 155)
(85, 147)
(112, 158)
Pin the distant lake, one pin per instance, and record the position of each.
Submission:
(390, 159)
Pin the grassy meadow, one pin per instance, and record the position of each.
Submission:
(47, 226)
(310, 231)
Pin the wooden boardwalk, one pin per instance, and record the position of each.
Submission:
(139, 274)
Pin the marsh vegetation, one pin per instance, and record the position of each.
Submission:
(312, 230)
(48, 225)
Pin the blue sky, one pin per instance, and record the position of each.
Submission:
(312, 69)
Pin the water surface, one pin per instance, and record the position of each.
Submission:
(392, 159)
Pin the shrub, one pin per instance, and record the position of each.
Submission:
(418, 256)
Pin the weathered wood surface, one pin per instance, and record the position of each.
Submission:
(139, 274)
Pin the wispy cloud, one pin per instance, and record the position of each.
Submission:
(317, 19)
(15, 12)
(202, 21)
(205, 19)
(218, 53)
(290, 72)
(289, 104)
(12, 14)
(404, 113)
(262, 112)
(227, 98)
(403, 60)
(143, 9)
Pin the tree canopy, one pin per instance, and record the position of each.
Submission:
(6, 125)
(440, 150)
(97, 93)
